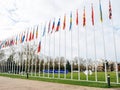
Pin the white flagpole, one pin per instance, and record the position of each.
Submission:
(65, 57)
(32, 67)
(77, 24)
(104, 53)
(115, 52)
(35, 63)
(95, 56)
(78, 54)
(39, 68)
(49, 56)
(40, 60)
(86, 53)
(22, 63)
(54, 55)
(26, 58)
(44, 55)
(59, 53)
(71, 57)
(92, 16)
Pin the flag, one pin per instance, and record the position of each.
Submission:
(49, 26)
(44, 30)
(16, 40)
(110, 10)
(30, 36)
(27, 37)
(11, 42)
(84, 18)
(23, 38)
(39, 47)
(37, 32)
(58, 25)
(76, 17)
(70, 27)
(101, 19)
(92, 16)
(64, 22)
(53, 26)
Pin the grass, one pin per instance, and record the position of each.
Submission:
(63, 81)
(100, 76)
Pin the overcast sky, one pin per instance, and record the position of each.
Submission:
(17, 15)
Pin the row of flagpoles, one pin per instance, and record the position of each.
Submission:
(53, 27)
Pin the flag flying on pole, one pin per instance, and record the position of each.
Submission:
(49, 26)
(37, 32)
(16, 40)
(77, 17)
(44, 30)
(110, 10)
(101, 19)
(30, 36)
(23, 38)
(53, 26)
(39, 47)
(64, 22)
(92, 16)
(70, 27)
(33, 35)
(84, 18)
(27, 37)
(58, 25)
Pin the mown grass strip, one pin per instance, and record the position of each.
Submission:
(71, 82)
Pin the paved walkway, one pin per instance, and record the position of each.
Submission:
(21, 84)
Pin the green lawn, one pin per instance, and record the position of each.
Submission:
(81, 83)
(100, 76)
(41, 77)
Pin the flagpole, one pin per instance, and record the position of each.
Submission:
(59, 52)
(26, 58)
(44, 57)
(49, 57)
(32, 65)
(40, 60)
(39, 68)
(54, 54)
(86, 53)
(101, 19)
(71, 57)
(104, 53)
(115, 52)
(114, 40)
(35, 64)
(95, 55)
(65, 57)
(77, 24)
(92, 16)
(78, 54)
